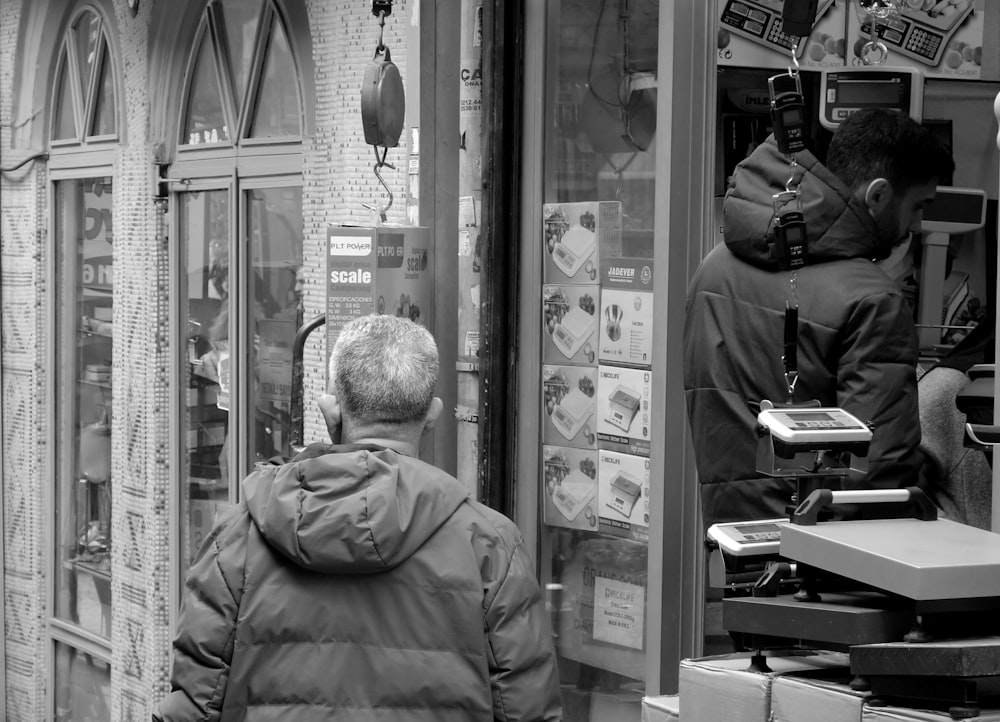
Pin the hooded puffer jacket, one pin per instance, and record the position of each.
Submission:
(356, 583)
(857, 343)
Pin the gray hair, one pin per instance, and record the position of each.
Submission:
(384, 369)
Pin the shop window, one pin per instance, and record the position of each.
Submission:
(240, 240)
(83, 105)
(82, 686)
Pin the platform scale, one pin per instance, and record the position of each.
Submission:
(575, 328)
(570, 414)
(915, 601)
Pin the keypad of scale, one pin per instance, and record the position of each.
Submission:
(778, 37)
(923, 43)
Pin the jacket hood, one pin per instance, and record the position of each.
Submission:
(351, 509)
(838, 225)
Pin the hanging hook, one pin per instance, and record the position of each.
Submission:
(379, 163)
(795, 60)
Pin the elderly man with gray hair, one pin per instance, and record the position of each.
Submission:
(356, 582)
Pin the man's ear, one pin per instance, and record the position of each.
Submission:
(878, 194)
(433, 413)
(329, 406)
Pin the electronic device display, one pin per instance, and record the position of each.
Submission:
(570, 414)
(573, 331)
(625, 492)
(917, 34)
(761, 22)
(573, 494)
(575, 247)
(955, 211)
(624, 404)
(811, 425)
(748, 538)
(847, 90)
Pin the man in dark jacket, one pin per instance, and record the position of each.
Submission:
(856, 341)
(358, 583)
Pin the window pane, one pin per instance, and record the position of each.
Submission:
(204, 236)
(598, 205)
(275, 229)
(82, 686)
(104, 112)
(84, 358)
(240, 19)
(276, 112)
(64, 124)
(87, 34)
(205, 121)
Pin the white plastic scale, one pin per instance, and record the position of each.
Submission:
(624, 404)
(748, 538)
(812, 427)
(761, 22)
(916, 34)
(573, 249)
(573, 494)
(570, 414)
(573, 330)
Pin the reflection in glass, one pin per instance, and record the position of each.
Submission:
(240, 19)
(204, 236)
(276, 112)
(274, 224)
(88, 35)
(82, 686)
(205, 121)
(64, 124)
(84, 360)
(104, 113)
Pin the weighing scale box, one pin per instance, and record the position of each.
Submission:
(569, 405)
(750, 35)
(387, 269)
(626, 317)
(571, 503)
(722, 689)
(569, 322)
(578, 238)
(623, 494)
(623, 409)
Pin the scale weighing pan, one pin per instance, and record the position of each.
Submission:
(570, 414)
(573, 249)
(920, 560)
(573, 494)
(574, 329)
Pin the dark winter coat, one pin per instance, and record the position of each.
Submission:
(857, 343)
(356, 583)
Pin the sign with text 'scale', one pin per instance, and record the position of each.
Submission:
(385, 269)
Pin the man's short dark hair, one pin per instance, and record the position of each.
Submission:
(880, 143)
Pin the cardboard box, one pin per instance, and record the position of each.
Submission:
(627, 312)
(570, 498)
(823, 697)
(578, 237)
(906, 714)
(623, 413)
(569, 318)
(722, 689)
(665, 708)
(570, 406)
(623, 494)
(386, 269)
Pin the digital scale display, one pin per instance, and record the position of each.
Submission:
(746, 538)
(846, 91)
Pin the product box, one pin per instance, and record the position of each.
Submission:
(578, 236)
(570, 498)
(906, 714)
(623, 494)
(627, 312)
(569, 317)
(751, 35)
(824, 696)
(385, 269)
(623, 412)
(570, 405)
(665, 708)
(723, 689)
(941, 39)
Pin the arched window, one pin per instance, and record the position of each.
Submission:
(237, 205)
(84, 107)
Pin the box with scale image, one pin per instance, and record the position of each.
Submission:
(386, 269)
(570, 492)
(623, 494)
(623, 412)
(569, 317)
(627, 312)
(578, 236)
(569, 397)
